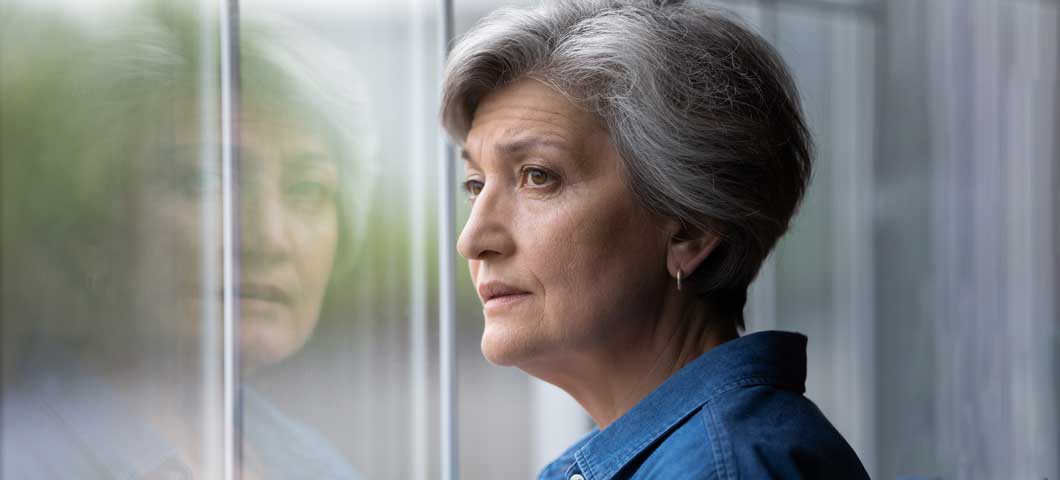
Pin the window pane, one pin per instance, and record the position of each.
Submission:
(338, 180)
(967, 240)
(110, 240)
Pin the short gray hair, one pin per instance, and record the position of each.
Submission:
(701, 109)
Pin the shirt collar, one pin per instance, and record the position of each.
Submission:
(763, 358)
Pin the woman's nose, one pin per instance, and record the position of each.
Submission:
(487, 232)
(263, 229)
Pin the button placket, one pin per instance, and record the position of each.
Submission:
(574, 471)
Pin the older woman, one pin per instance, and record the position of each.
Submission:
(631, 164)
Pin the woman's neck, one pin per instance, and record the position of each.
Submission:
(611, 379)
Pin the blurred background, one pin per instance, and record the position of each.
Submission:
(923, 266)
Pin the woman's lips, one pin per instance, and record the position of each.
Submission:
(504, 300)
(496, 295)
(255, 308)
(262, 300)
(263, 292)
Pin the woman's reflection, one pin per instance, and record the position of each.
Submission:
(288, 234)
(129, 384)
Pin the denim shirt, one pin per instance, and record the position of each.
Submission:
(737, 411)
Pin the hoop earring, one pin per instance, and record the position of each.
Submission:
(678, 279)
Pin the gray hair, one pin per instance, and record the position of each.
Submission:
(701, 109)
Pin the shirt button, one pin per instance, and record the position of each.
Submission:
(577, 476)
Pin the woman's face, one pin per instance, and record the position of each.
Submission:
(287, 237)
(563, 257)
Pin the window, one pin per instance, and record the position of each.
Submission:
(227, 242)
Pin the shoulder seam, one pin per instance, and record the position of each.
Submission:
(718, 443)
(750, 381)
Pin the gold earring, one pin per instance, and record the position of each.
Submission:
(678, 279)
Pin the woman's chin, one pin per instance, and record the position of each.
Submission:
(503, 346)
(264, 345)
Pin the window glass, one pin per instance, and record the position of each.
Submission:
(113, 226)
(341, 193)
(111, 240)
(922, 265)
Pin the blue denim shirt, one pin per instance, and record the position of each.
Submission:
(737, 411)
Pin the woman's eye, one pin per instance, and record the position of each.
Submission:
(473, 187)
(308, 195)
(536, 177)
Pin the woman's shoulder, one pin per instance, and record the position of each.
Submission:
(752, 431)
(64, 421)
(764, 429)
(687, 452)
(737, 410)
(757, 431)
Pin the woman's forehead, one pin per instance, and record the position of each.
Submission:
(528, 115)
(529, 100)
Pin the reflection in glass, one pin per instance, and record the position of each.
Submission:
(111, 324)
(366, 378)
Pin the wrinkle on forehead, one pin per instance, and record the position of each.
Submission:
(529, 109)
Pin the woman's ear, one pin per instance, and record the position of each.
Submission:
(687, 250)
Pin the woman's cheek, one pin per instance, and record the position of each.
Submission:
(314, 250)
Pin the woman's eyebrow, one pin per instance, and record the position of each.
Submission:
(520, 146)
(309, 161)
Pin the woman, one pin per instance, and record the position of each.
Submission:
(631, 164)
(120, 208)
